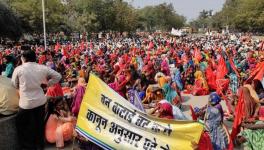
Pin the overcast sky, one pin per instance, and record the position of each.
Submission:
(188, 8)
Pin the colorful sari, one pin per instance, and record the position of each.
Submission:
(55, 91)
(165, 67)
(254, 139)
(177, 113)
(78, 96)
(200, 87)
(234, 84)
(162, 81)
(245, 109)
(177, 79)
(219, 137)
(170, 93)
(119, 85)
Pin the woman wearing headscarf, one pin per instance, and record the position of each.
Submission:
(163, 110)
(9, 66)
(189, 79)
(214, 121)
(253, 133)
(60, 125)
(170, 93)
(119, 85)
(166, 110)
(78, 96)
(247, 108)
(148, 69)
(177, 79)
(234, 83)
(161, 79)
(257, 85)
(165, 67)
(200, 86)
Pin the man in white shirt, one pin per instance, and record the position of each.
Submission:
(28, 78)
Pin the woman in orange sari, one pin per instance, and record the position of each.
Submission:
(200, 85)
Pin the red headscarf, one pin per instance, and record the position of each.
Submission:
(54, 91)
(166, 111)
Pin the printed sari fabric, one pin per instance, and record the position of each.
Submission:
(245, 108)
(218, 134)
(177, 79)
(77, 100)
(254, 139)
(234, 84)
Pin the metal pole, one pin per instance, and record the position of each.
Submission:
(44, 24)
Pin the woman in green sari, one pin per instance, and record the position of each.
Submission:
(170, 93)
(253, 136)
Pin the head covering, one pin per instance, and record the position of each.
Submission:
(214, 98)
(170, 93)
(166, 111)
(198, 74)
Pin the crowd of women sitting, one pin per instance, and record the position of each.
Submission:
(159, 68)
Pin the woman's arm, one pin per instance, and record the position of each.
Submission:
(257, 110)
(253, 126)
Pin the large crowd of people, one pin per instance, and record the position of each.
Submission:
(156, 67)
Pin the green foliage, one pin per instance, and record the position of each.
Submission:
(204, 20)
(93, 16)
(242, 15)
(30, 14)
(160, 17)
(9, 24)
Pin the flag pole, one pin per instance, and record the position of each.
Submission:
(44, 25)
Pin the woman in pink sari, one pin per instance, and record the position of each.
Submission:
(79, 92)
(119, 85)
(165, 67)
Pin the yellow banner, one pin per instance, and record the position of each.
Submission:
(110, 121)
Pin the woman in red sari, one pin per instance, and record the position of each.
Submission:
(200, 85)
(163, 110)
(247, 108)
(119, 85)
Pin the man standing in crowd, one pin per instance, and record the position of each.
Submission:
(28, 78)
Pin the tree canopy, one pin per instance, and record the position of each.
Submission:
(9, 24)
(160, 17)
(238, 15)
(92, 16)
